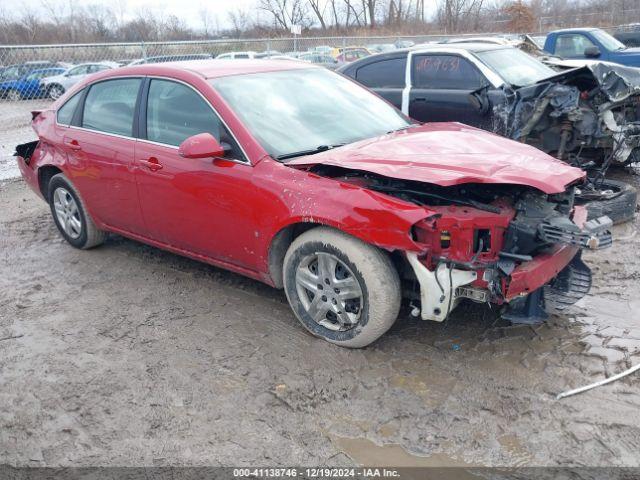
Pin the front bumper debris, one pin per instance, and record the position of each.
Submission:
(569, 286)
(595, 234)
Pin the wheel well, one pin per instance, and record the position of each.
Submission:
(280, 245)
(45, 174)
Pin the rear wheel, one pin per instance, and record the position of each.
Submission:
(340, 288)
(612, 198)
(70, 215)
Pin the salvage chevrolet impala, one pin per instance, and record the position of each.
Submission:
(298, 177)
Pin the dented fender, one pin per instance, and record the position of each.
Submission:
(373, 217)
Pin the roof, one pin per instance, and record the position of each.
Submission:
(215, 68)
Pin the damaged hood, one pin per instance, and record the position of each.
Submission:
(449, 154)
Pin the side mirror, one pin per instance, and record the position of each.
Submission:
(592, 52)
(479, 100)
(203, 145)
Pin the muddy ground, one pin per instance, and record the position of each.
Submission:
(128, 355)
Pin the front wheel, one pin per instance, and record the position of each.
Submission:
(70, 215)
(340, 288)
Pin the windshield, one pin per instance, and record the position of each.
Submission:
(306, 110)
(514, 66)
(609, 42)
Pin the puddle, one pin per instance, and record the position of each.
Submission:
(367, 453)
(517, 452)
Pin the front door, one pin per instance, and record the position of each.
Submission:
(202, 206)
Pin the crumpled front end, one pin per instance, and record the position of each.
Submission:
(588, 114)
(527, 249)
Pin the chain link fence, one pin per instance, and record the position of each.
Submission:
(31, 76)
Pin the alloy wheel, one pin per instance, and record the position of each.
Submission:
(67, 212)
(329, 291)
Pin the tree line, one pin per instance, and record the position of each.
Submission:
(70, 21)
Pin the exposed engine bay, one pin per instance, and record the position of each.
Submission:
(490, 243)
(587, 116)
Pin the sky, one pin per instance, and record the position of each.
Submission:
(188, 10)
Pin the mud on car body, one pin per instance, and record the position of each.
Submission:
(347, 205)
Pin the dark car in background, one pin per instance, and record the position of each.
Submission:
(573, 115)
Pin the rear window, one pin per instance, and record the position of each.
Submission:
(66, 111)
(388, 73)
(110, 105)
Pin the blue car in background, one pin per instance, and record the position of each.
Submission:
(27, 86)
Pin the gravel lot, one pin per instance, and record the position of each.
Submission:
(128, 355)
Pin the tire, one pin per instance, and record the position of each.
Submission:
(619, 207)
(55, 91)
(78, 229)
(374, 302)
(14, 96)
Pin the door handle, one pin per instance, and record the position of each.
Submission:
(419, 99)
(152, 164)
(72, 143)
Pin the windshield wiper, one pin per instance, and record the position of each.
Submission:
(406, 127)
(301, 153)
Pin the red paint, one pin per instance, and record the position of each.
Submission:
(227, 213)
(203, 145)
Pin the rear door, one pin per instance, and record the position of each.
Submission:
(385, 76)
(204, 205)
(100, 145)
(440, 88)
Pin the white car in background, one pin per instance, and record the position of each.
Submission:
(56, 86)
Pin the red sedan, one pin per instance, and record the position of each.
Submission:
(300, 178)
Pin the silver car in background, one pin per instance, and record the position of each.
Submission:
(55, 86)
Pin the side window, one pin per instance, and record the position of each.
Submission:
(176, 112)
(572, 45)
(446, 72)
(241, 55)
(110, 105)
(388, 73)
(66, 111)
